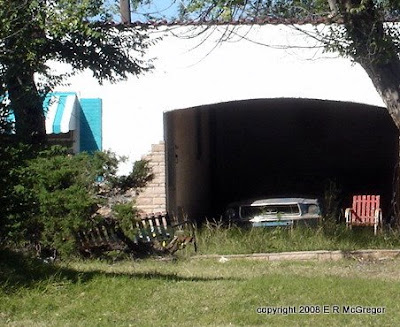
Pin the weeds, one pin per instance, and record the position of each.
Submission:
(215, 238)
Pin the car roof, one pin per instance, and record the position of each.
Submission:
(274, 201)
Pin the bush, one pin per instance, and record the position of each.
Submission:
(14, 200)
(51, 194)
(126, 214)
(53, 197)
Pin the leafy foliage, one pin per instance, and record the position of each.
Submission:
(126, 214)
(80, 33)
(75, 32)
(51, 195)
(141, 174)
(227, 10)
(354, 29)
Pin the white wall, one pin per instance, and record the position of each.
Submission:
(196, 71)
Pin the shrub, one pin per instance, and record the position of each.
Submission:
(57, 191)
(126, 214)
(51, 194)
(14, 200)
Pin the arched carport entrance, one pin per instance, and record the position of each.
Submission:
(220, 153)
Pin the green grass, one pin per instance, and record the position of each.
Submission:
(216, 239)
(191, 292)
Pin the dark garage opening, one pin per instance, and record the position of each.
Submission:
(221, 153)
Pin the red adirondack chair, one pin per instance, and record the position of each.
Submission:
(365, 211)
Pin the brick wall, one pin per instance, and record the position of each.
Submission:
(153, 197)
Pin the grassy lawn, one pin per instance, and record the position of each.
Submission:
(191, 292)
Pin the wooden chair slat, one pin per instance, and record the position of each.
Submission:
(365, 211)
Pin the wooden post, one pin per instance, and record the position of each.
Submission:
(125, 11)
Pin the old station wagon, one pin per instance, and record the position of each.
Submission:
(274, 212)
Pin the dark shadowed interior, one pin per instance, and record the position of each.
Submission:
(221, 153)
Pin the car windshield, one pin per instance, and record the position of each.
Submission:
(248, 212)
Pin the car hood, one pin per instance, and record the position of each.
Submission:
(271, 201)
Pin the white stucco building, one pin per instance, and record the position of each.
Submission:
(268, 61)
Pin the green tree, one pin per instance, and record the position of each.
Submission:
(77, 32)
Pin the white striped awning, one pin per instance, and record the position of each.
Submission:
(61, 112)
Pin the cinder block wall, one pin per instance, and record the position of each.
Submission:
(153, 197)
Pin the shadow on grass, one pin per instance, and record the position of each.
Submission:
(20, 271)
